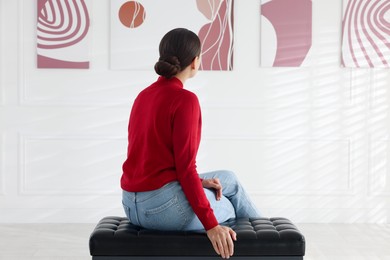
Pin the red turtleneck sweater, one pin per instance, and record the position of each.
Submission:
(164, 136)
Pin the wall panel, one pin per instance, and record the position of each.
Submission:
(1, 98)
(2, 162)
(379, 173)
(70, 165)
(1, 55)
(273, 166)
(2, 60)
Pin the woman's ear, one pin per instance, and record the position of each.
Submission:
(195, 63)
(194, 66)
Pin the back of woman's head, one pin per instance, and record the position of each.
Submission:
(178, 48)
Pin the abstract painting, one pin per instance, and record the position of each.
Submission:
(138, 26)
(286, 32)
(366, 34)
(217, 35)
(62, 30)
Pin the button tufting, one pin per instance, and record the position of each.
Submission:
(255, 237)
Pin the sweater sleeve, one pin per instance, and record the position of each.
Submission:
(186, 139)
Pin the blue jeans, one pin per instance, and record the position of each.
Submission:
(167, 208)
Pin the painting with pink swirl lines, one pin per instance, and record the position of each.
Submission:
(217, 36)
(366, 34)
(62, 30)
(286, 32)
(138, 26)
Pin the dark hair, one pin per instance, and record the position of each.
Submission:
(178, 48)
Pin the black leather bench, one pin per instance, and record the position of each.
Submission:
(115, 238)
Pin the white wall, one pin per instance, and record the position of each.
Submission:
(311, 144)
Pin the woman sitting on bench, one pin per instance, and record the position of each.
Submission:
(162, 189)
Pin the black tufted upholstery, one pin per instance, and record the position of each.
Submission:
(272, 237)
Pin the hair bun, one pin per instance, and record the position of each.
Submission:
(167, 66)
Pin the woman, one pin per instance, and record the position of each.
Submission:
(161, 187)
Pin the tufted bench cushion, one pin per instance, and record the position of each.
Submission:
(257, 238)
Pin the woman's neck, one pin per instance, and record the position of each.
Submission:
(184, 74)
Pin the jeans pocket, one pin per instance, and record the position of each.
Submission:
(167, 216)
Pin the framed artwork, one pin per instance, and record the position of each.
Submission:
(286, 32)
(366, 34)
(62, 34)
(138, 26)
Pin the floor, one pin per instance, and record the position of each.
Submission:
(70, 241)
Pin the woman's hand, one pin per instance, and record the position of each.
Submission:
(213, 184)
(222, 240)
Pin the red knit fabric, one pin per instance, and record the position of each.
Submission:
(164, 135)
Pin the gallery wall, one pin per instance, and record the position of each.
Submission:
(310, 143)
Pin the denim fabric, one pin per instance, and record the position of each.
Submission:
(167, 208)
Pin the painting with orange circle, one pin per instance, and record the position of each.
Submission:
(131, 14)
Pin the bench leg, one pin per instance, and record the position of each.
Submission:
(195, 258)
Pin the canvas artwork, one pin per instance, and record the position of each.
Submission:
(62, 34)
(138, 26)
(366, 34)
(286, 32)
